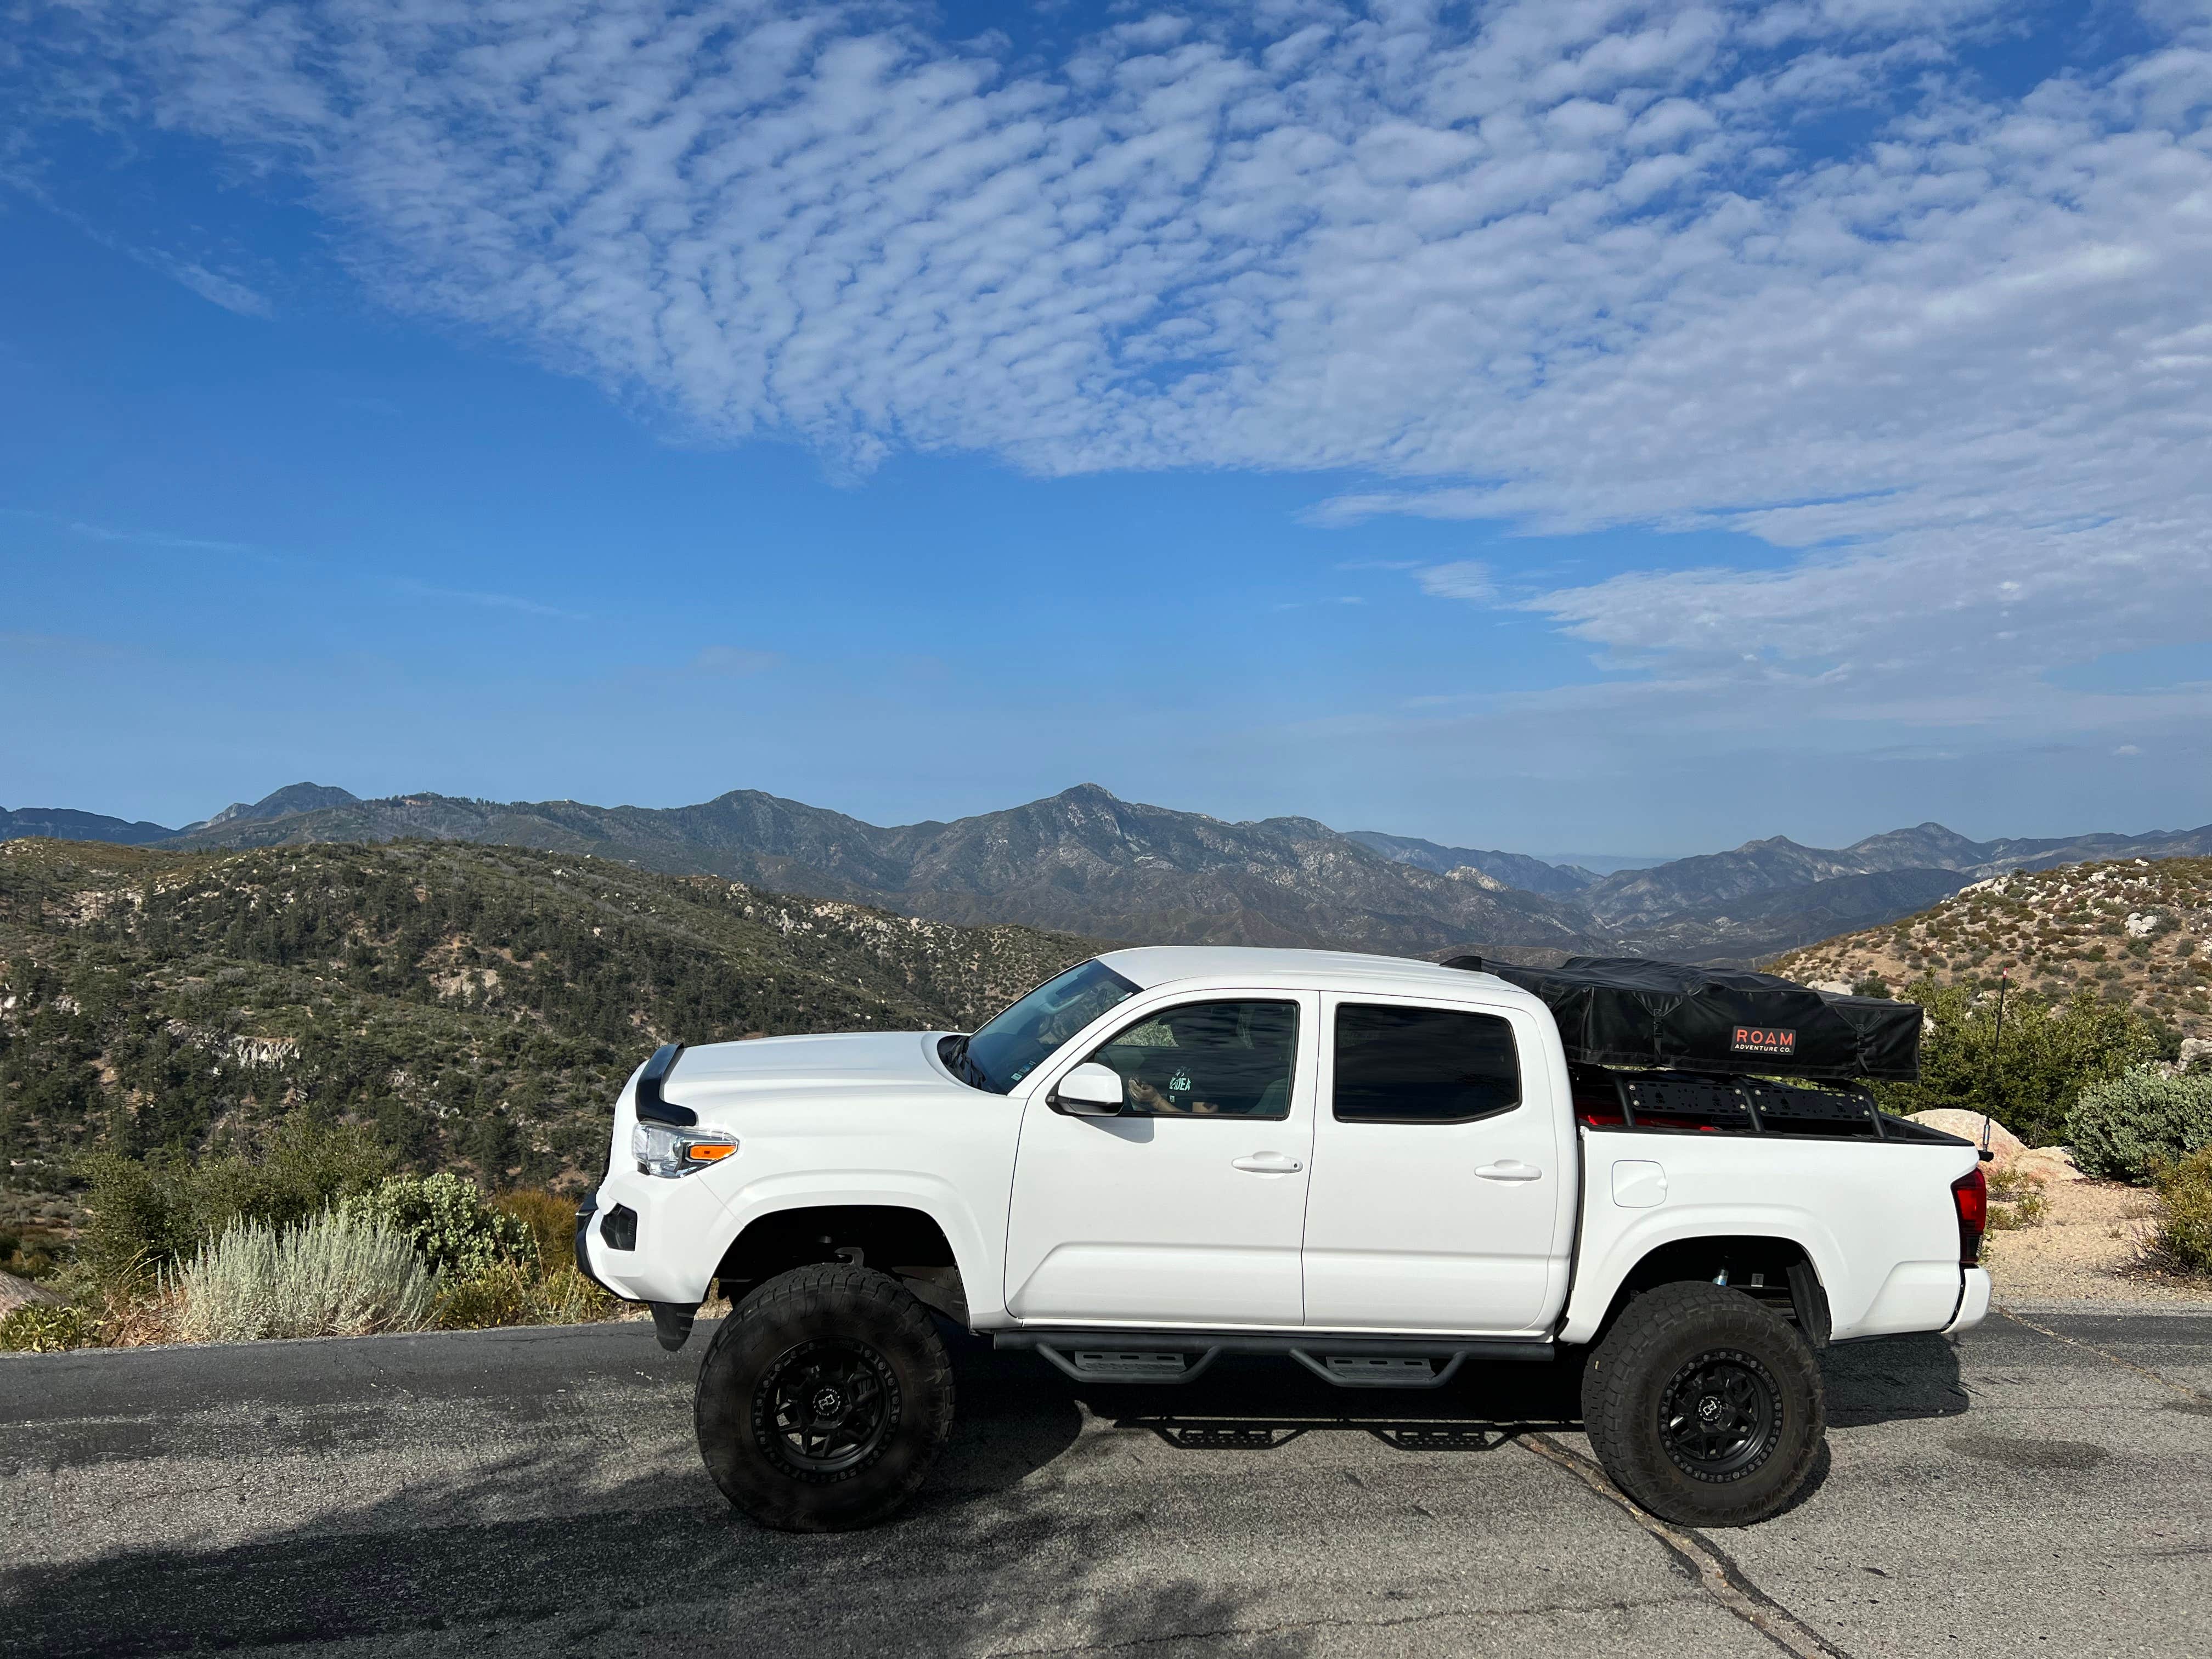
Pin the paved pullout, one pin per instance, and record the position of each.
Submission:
(2029, 1490)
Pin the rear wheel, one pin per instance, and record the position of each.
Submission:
(823, 1399)
(1704, 1408)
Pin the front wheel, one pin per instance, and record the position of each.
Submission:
(1705, 1408)
(823, 1399)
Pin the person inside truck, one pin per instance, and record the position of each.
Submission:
(1209, 1060)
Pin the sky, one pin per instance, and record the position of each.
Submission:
(1575, 427)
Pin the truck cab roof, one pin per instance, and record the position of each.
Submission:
(1151, 967)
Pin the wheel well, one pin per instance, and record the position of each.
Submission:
(1775, 1272)
(907, 1243)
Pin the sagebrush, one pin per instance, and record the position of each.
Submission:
(335, 1275)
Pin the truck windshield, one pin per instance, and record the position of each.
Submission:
(1017, 1042)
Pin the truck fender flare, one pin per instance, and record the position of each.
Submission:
(926, 1195)
(1594, 1289)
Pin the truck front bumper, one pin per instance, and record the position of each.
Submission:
(647, 1239)
(1973, 1302)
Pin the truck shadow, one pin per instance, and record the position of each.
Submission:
(1258, 1405)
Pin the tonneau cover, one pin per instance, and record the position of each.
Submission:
(1625, 1010)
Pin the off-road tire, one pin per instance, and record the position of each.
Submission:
(1681, 1358)
(852, 1343)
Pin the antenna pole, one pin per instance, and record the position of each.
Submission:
(1996, 1056)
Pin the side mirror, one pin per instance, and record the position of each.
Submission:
(1090, 1091)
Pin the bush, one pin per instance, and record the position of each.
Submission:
(2053, 1051)
(552, 1223)
(2130, 1126)
(146, 1215)
(37, 1328)
(511, 1293)
(2184, 1212)
(335, 1275)
(458, 1231)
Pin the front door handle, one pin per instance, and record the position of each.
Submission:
(1510, 1169)
(1269, 1163)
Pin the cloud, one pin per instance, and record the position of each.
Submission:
(101, 532)
(1567, 267)
(214, 287)
(733, 659)
(1464, 578)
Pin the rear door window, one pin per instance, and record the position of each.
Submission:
(1401, 1064)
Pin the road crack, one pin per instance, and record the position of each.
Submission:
(2159, 1377)
(1716, 1574)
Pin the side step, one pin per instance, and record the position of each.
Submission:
(1129, 1364)
(1377, 1370)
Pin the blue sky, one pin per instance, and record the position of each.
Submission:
(1599, 427)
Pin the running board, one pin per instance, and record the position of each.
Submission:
(1112, 1355)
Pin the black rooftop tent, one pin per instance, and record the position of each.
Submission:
(1625, 1011)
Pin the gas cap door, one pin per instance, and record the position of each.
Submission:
(1639, 1184)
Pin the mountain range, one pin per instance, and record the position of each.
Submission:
(1084, 861)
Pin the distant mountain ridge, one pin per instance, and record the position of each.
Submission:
(1084, 861)
(1515, 869)
(62, 823)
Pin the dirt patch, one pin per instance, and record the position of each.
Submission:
(2089, 1247)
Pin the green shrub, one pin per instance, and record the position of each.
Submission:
(447, 1217)
(2132, 1126)
(38, 1329)
(513, 1293)
(335, 1275)
(148, 1215)
(2184, 1212)
(552, 1223)
(2053, 1051)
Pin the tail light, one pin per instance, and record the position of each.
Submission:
(1970, 1194)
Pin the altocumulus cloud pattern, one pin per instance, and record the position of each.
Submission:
(1569, 264)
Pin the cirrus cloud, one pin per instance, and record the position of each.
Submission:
(1566, 265)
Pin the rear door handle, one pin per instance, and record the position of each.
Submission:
(1510, 1169)
(1269, 1163)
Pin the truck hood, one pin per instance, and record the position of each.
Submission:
(848, 1065)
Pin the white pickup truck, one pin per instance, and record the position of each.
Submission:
(1378, 1168)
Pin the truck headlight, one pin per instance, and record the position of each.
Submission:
(661, 1151)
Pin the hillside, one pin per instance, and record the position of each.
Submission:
(2133, 930)
(476, 1005)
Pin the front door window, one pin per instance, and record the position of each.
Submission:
(1208, 1060)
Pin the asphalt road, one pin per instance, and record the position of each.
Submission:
(2027, 1491)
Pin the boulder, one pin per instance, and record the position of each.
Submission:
(2043, 1164)
(23, 1293)
(1968, 1125)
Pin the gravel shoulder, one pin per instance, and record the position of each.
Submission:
(2089, 1247)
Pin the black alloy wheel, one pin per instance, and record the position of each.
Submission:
(1720, 1416)
(826, 1407)
(1705, 1407)
(823, 1399)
